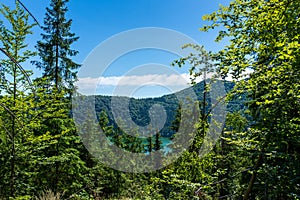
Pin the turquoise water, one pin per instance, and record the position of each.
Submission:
(165, 142)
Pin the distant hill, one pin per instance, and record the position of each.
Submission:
(139, 108)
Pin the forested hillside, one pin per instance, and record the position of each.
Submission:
(257, 156)
(139, 108)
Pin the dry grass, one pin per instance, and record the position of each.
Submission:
(49, 195)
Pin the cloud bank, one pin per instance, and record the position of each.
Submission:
(107, 85)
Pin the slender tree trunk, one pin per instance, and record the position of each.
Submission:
(13, 131)
(56, 170)
(204, 99)
(222, 165)
(253, 177)
(203, 117)
(194, 147)
(157, 147)
(56, 56)
(157, 141)
(56, 67)
(12, 160)
(56, 86)
(149, 145)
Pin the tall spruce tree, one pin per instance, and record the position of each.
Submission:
(59, 74)
(55, 47)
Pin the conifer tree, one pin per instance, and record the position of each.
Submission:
(14, 84)
(149, 144)
(157, 144)
(55, 47)
(59, 75)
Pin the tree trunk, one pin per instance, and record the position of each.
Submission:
(253, 177)
(56, 56)
(13, 130)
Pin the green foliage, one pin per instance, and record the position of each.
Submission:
(257, 156)
(55, 47)
(14, 84)
(139, 108)
(264, 38)
(57, 146)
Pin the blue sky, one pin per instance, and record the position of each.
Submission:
(94, 21)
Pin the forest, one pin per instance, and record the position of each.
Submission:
(139, 108)
(257, 156)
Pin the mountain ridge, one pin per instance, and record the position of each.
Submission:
(139, 107)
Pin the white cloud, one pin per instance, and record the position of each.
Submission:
(88, 85)
(127, 85)
(134, 80)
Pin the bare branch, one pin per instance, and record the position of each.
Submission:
(17, 64)
(29, 12)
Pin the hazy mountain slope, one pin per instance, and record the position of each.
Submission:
(139, 108)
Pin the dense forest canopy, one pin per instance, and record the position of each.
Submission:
(257, 156)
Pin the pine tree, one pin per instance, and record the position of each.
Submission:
(55, 48)
(157, 145)
(59, 75)
(149, 144)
